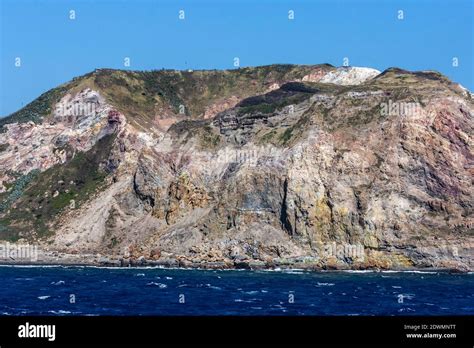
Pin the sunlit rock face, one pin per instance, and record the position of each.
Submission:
(309, 166)
(76, 124)
(349, 76)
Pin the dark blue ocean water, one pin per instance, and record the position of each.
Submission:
(152, 291)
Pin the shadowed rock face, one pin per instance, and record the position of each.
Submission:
(307, 167)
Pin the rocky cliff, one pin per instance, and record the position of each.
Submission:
(275, 166)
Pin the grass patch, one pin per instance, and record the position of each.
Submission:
(286, 136)
(49, 193)
(17, 188)
(36, 110)
(289, 94)
(208, 139)
(268, 137)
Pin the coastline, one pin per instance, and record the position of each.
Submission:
(249, 265)
(26, 255)
(278, 269)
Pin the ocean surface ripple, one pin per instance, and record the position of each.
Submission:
(152, 291)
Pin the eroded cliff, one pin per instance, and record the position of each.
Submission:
(300, 166)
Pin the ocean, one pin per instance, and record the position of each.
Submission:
(93, 291)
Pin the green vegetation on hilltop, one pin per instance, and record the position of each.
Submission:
(36, 110)
(141, 95)
(289, 94)
(144, 94)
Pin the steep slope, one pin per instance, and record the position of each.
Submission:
(305, 166)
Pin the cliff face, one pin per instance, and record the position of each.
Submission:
(302, 166)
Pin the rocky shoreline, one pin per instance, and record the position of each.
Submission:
(71, 260)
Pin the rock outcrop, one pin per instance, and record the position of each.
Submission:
(311, 167)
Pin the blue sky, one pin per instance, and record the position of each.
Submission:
(53, 49)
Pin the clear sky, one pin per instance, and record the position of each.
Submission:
(53, 48)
